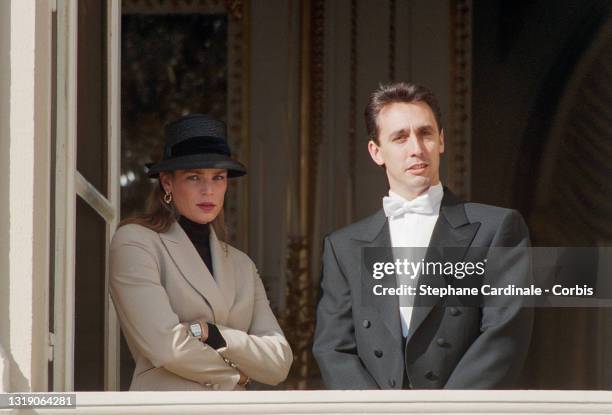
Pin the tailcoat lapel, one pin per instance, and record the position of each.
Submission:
(376, 235)
(452, 230)
(193, 269)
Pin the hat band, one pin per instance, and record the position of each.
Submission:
(198, 145)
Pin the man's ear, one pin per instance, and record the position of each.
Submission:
(442, 141)
(374, 151)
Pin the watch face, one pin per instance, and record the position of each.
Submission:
(195, 329)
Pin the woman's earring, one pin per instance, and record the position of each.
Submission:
(168, 198)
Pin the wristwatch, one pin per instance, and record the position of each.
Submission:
(196, 330)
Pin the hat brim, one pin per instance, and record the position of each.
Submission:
(198, 161)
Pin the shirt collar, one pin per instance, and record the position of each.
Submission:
(433, 195)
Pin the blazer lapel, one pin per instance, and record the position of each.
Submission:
(452, 230)
(193, 269)
(224, 270)
(377, 235)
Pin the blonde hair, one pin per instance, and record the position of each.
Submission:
(159, 215)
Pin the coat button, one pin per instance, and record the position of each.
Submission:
(366, 323)
(392, 383)
(441, 342)
(454, 311)
(378, 353)
(431, 375)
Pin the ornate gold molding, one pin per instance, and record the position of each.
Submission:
(238, 98)
(236, 9)
(172, 6)
(392, 36)
(299, 313)
(459, 148)
(352, 116)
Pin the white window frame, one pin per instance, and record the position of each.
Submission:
(70, 183)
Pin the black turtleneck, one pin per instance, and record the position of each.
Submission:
(199, 235)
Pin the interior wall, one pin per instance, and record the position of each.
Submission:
(20, 194)
(430, 53)
(525, 54)
(516, 47)
(28, 190)
(5, 108)
(274, 122)
(372, 69)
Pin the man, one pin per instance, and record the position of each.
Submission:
(386, 343)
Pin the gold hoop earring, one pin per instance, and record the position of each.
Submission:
(168, 198)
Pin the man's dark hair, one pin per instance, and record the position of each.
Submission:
(399, 92)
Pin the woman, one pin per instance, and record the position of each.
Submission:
(193, 309)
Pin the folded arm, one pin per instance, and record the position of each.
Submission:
(262, 353)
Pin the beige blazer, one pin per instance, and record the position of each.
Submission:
(158, 282)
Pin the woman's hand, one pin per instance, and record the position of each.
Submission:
(244, 379)
(204, 326)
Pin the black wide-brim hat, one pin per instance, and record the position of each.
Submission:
(196, 141)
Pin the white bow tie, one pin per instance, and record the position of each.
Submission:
(395, 206)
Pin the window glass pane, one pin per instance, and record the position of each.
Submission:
(89, 299)
(91, 93)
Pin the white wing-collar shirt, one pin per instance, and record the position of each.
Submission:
(411, 223)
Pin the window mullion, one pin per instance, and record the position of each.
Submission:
(65, 197)
(94, 198)
(111, 325)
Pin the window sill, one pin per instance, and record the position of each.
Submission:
(322, 402)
